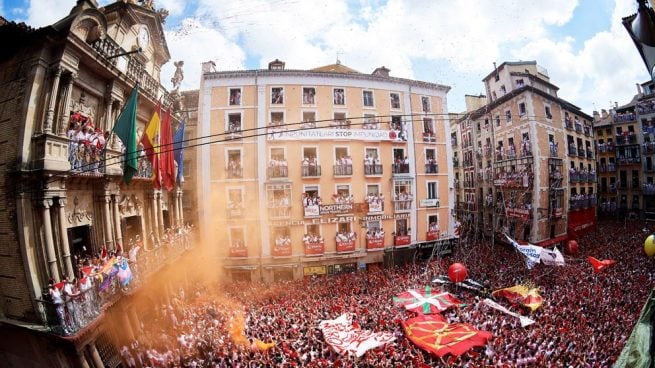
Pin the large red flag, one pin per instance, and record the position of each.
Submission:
(433, 334)
(166, 157)
(600, 265)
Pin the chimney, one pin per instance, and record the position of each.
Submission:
(208, 67)
(276, 65)
(603, 113)
(616, 104)
(639, 93)
(596, 115)
(381, 72)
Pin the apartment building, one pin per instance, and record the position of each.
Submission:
(527, 160)
(625, 145)
(321, 171)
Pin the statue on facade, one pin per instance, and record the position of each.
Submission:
(178, 77)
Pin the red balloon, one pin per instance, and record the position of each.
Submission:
(457, 272)
(572, 247)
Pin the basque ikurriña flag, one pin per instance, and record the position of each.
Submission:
(433, 334)
(425, 301)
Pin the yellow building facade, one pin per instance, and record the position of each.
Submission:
(306, 172)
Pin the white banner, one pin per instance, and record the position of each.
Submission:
(531, 252)
(525, 321)
(321, 134)
(552, 257)
(343, 337)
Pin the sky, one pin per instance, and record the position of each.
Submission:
(581, 43)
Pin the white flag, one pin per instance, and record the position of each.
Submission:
(552, 257)
(343, 337)
(525, 321)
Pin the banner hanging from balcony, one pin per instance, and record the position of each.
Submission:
(314, 248)
(282, 247)
(238, 250)
(337, 134)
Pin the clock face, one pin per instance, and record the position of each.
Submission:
(143, 37)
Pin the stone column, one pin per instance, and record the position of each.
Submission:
(134, 318)
(160, 213)
(127, 326)
(155, 219)
(117, 223)
(109, 240)
(108, 112)
(181, 206)
(83, 362)
(95, 355)
(65, 247)
(176, 206)
(65, 106)
(49, 242)
(52, 100)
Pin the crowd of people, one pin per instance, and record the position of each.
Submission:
(86, 146)
(584, 321)
(375, 202)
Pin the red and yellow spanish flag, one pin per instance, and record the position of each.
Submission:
(522, 295)
(149, 138)
(433, 334)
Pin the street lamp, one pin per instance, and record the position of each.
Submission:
(641, 28)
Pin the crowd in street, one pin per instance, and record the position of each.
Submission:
(584, 321)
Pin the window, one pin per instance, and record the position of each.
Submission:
(237, 238)
(503, 90)
(277, 96)
(522, 110)
(402, 227)
(277, 118)
(235, 96)
(339, 121)
(497, 120)
(313, 230)
(234, 168)
(547, 111)
(395, 100)
(368, 98)
(308, 119)
(425, 104)
(343, 194)
(370, 122)
(234, 122)
(508, 116)
(497, 78)
(339, 96)
(234, 198)
(519, 83)
(432, 190)
(341, 154)
(308, 95)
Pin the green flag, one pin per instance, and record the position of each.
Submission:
(637, 350)
(125, 129)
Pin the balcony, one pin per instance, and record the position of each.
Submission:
(628, 160)
(429, 137)
(568, 124)
(456, 183)
(606, 147)
(431, 168)
(432, 235)
(578, 128)
(453, 141)
(467, 206)
(572, 150)
(234, 172)
(624, 139)
(278, 171)
(342, 170)
(402, 205)
(400, 168)
(402, 240)
(648, 189)
(279, 208)
(581, 151)
(624, 117)
(82, 310)
(310, 171)
(455, 163)
(649, 168)
(487, 151)
(345, 242)
(590, 153)
(611, 167)
(581, 202)
(372, 169)
(587, 131)
(553, 151)
(468, 163)
(526, 150)
(648, 148)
